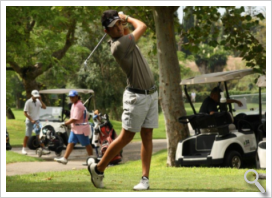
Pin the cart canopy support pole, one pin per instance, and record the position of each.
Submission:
(189, 99)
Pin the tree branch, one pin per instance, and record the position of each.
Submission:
(59, 54)
(70, 37)
(15, 67)
(30, 26)
(9, 69)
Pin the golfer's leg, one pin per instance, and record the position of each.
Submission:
(114, 148)
(28, 132)
(89, 149)
(69, 150)
(25, 141)
(146, 150)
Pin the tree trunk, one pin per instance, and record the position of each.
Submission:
(19, 102)
(9, 113)
(170, 90)
(218, 68)
(29, 84)
(203, 68)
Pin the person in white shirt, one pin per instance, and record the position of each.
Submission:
(31, 112)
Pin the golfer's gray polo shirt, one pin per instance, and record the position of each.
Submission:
(131, 60)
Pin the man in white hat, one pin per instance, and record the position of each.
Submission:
(31, 112)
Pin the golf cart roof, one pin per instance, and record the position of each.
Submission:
(65, 91)
(261, 81)
(217, 77)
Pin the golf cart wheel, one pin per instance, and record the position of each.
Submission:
(33, 143)
(233, 159)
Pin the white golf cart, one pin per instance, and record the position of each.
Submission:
(53, 133)
(219, 138)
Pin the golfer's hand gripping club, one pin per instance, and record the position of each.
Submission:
(124, 22)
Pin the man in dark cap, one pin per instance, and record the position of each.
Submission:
(211, 103)
(140, 99)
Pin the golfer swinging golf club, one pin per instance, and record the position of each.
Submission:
(140, 98)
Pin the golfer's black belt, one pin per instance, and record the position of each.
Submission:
(141, 91)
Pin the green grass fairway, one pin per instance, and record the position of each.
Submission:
(12, 157)
(122, 178)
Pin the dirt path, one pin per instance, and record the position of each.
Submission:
(76, 159)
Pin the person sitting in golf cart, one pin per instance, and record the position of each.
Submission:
(211, 103)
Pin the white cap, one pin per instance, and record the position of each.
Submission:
(35, 93)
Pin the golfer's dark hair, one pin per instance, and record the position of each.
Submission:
(216, 90)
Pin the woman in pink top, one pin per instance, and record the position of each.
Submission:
(80, 128)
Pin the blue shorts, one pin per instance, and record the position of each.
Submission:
(79, 138)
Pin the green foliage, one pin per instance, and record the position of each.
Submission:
(39, 37)
(14, 88)
(211, 57)
(236, 33)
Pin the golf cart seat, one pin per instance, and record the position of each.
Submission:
(216, 123)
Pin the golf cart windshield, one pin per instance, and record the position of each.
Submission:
(52, 114)
(56, 114)
(217, 77)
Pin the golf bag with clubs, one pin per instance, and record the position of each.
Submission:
(103, 136)
(51, 140)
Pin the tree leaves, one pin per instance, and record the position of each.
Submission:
(236, 33)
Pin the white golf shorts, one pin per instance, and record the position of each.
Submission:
(139, 111)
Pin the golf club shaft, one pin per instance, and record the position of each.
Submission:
(85, 62)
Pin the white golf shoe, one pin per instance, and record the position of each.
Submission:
(24, 151)
(61, 160)
(143, 185)
(97, 179)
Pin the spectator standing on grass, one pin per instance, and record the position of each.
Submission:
(80, 128)
(32, 112)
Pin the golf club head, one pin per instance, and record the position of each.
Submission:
(85, 65)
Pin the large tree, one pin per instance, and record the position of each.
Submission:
(236, 35)
(170, 90)
(38, 37)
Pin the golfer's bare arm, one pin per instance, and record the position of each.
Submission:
(70, 121)
(139, 27)
(235, 101)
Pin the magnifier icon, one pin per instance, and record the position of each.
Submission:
(255, 181)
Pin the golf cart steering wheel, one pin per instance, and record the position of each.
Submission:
(242, 123)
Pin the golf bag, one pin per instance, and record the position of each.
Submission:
(103, 136)
(8, 146)
(51, 140)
